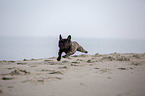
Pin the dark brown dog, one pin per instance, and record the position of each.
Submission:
(68, 47)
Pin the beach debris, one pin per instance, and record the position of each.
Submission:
(53, 78)
(58, 78)
(4, 61)
(25, 60)
(75, 62)
(7, 78)
(79, 60)
(52, 63)
(105, 70)
(56, 72)
(108, 58)
(123, 68)
(4, 74)
(64, 67)
(136, 63)
(21, 63)
(115, 54)
(12, 61)
(97, 55)
(7, 61)
(138, 56)
(96, 68)
(90, 61)
(19, 72)
(99, 60)
(122, 58)
(74, 65)
(10, 68)
(47, 60)
(83, 55)
(45, 70)
(65, 61)
(33, 66)
(36, 59)
(48, 79)
(30, 80)
(40, 80)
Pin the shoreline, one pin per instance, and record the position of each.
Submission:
(116, 74)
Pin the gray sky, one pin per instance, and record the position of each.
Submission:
(80, 18)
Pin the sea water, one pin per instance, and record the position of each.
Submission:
(19, 48)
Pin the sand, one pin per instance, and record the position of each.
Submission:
(84, 75)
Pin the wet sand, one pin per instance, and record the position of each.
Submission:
(79, 75)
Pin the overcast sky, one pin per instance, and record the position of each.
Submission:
(80, 18)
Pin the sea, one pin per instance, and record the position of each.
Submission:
(20, 48)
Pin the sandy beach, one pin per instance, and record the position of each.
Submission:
(79, 75)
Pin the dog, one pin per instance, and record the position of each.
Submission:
(69, 47)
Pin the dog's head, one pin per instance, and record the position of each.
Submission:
(64, 43)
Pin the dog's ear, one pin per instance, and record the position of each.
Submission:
(69, 38)
(60, 38)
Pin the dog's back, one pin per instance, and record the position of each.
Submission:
(79, 48)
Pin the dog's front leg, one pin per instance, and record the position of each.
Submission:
(59, 57)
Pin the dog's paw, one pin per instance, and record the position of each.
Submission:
(58, 59)
(86, 51)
